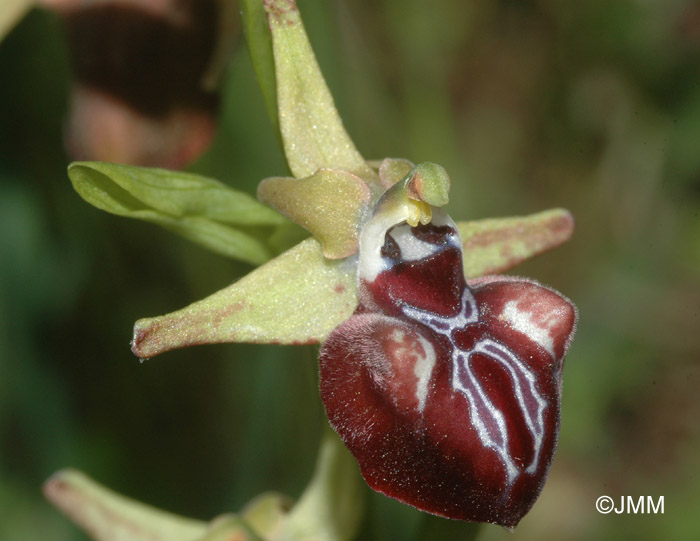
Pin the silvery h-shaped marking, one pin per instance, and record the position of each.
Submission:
(486, 418)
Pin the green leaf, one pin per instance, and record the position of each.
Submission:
(200, 209)
(331, 506)
(312, 131)
(108, 516)
(259, 40)
(297, 298)
(330, 204)
(496, 245)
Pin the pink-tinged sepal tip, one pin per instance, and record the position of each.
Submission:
(448, 394)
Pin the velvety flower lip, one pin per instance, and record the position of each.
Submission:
(447, 392)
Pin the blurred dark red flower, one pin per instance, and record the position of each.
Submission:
(145, 78)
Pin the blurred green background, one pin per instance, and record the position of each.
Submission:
(590, 105)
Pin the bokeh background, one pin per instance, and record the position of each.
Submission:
(591, 105)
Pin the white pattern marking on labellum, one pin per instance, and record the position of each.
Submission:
(463, 408)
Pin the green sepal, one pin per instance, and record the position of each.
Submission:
(108, 516)
(297, 298)
(199, 208)
(495, 245)
(312, 131)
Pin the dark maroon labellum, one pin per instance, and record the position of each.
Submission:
(447, 394)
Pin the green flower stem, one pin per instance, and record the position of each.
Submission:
(332, 505)
(257, 35)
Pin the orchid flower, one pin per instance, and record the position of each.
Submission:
(442, 378)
